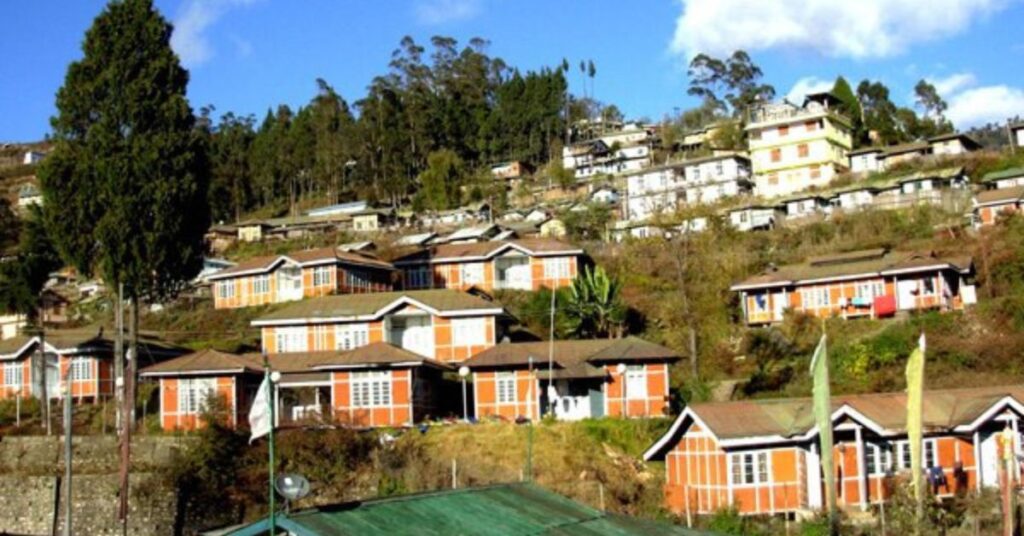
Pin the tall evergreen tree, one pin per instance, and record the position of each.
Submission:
(125, 186)
(850, 107)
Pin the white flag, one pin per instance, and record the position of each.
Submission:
(259, 413)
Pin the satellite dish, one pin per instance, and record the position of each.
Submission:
(292, 486)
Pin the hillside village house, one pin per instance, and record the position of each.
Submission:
(11, 324)
(1017, 131)
(664, 189)
(88, 353)
(591, 378)
(878, 159)
(374, 385)
(989, 205)
(871, 283)
(793, 148)
(603, 157)
(761, 456)
(805, 206)
(445, 325)
(524, 264)
(755, 217)
(298, 275)
(1006, 178)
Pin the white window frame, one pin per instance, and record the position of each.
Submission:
(469, 331)
(815, 297)
(506, 387)
(759, 464)
(261, 284)
(556, 268)
(322, 276)
(351, 336)
(193, 393)
(226, 289)
(80, 369)
(929, 450)
(291, 339)
(14, 371)
(882, 454)
(370, 389)
(636, 382)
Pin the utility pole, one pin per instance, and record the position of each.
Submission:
(67, 451)
(1009, 136)
(44, 374)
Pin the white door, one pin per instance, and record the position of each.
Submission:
(289, 283)
(779, 304)
(519, 276)
(52, 376)
(906, 292)
(990, 459)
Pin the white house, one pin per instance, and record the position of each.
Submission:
(1007, 178)
(33, 157)
(755, 217)
(702, 180)
(952, 144)
(806, 205)
(1018, 133)
(866, 160)
(601, 157)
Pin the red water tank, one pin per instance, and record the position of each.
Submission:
(885, 305)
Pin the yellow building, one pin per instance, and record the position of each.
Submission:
(793, 148)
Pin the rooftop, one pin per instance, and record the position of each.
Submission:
(1011, 173)
(480, 250)
(374, 305)
(579, 358)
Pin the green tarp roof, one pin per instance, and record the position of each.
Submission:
(504, 510)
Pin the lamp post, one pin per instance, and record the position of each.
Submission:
(463, 373)
(621, 369)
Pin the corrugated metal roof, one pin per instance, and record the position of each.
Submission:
(1003, 174)
(503, 510)
(868, 265)
(353, 305)
(575, 357)
(487, 249)
(1001, 195)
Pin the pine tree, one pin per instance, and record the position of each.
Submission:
(850, 107)
(125, 187)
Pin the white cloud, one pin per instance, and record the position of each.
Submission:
(980, 105)
(952, 83)
(189, 39)
(860, 29)
(808, 84)
(434, 12)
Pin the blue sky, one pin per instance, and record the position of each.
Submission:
(247, 55)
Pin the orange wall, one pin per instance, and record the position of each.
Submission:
(448, 275)
(171, 419)
(246, 297)
(990, 214)
(26, 386)
(100, 381)
(398, 413)
(656, 404)
(485, 396)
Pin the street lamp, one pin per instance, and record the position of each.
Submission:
(463, 373)
(621, 369)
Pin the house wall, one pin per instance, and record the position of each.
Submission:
(793, 298)
(485, 396)
(988, 215)
(323, 337)
(655, 404)
(698, 479)
(449, 275)
(172, 419)
(245, 295)
(398, 413)
(825, 144)
(100, 382)
(25, 389)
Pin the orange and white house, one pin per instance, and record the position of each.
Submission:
(369, 386)
(81, 357)
(582, 379)
(298, 275)
(871, 283)
(989, 205)
(523, 264)
(446, 325)
(762, 456)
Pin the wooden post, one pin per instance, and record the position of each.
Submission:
(455, 472)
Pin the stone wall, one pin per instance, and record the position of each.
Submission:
(31, 474)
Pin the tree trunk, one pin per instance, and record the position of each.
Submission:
(128, 408)
(693, 353)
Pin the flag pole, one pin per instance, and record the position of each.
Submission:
(270, 458)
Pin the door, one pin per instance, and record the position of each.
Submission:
(413, 333)
(289, 283)
(906, 294)
(52, 376)
(596, 402)
(990, 459)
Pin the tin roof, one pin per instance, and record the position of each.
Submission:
(868, 263)
(205, 361)
(999, 196)
(575, 359)
(1003, 174)
(485, 250)
(378, 353)
(93, 339)
(503, 510)
(376, 304)
(303, 257)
